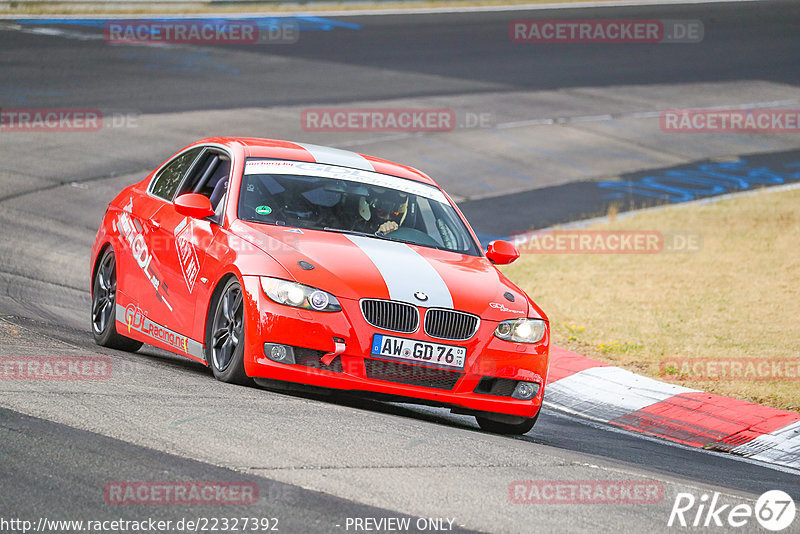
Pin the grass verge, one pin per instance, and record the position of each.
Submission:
(735, 298)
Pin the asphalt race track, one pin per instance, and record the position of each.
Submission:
(553, 122)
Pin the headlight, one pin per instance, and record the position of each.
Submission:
(299, 296)
(521, 330)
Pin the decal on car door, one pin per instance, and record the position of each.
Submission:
(132, 232)
(187, 255)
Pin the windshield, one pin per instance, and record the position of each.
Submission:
(339, 199)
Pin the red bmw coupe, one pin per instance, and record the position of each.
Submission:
(278, 261)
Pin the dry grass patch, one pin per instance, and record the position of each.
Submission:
(737, 297)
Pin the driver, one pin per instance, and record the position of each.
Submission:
(384, 213)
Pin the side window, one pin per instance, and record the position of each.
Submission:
(211, 168)
(210, 177)
(169, 178)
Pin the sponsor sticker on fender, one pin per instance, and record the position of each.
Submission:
(502, 307)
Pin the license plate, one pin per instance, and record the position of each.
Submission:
(419, 352)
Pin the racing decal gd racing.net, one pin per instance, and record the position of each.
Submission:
(135, 319)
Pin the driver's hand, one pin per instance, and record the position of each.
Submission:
(388, 226)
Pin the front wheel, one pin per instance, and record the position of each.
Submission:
(225, 335)
(104, 306)
(516, 429)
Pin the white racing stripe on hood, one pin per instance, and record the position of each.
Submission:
(405, 272)
(335, 156)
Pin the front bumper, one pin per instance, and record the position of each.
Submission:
(314, 334)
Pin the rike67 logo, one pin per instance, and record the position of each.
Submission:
(774, 511)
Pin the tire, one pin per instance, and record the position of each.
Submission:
(104, 306)
(225, 335)
(515, 429)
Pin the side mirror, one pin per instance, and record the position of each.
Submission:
(502, 252)
(194, 205)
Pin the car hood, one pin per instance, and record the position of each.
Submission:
(355, 267)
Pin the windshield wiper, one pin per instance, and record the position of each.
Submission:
(407, 242)
(387, 237)
(351, 232)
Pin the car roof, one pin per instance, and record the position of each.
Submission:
(296, 151)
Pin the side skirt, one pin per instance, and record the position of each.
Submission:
(131, 321)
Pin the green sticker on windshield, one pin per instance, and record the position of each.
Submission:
(263, 210)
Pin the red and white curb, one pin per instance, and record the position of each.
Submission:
(598, 391)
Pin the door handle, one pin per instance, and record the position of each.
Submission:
(155, 225)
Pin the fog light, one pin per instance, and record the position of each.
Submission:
(279, 353)
(525, 390)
